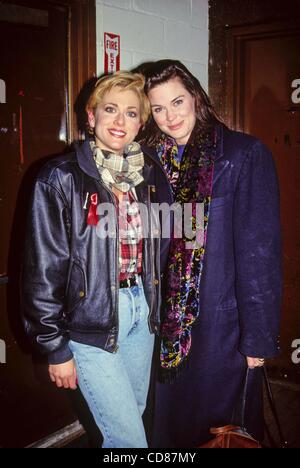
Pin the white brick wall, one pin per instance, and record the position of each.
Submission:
(154, 30)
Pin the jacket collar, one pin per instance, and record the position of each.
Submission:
(220, 140)
(151, 153)
(85, 159)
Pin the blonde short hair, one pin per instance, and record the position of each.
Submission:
(125, 80)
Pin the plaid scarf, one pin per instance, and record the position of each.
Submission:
(191, 182)
(119, 171)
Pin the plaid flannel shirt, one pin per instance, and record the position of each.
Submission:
(130, 235)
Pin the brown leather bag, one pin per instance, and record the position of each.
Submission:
(231, 437)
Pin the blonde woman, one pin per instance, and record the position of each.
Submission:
(91, 297)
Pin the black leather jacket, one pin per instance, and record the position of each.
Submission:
(70, 276)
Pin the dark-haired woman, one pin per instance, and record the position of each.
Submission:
(223, 292)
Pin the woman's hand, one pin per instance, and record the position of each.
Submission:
(255, 362)
(64, 375)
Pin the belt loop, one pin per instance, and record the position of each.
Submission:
(134, 280)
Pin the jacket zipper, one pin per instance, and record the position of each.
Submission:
(116, 265)
(152, 262)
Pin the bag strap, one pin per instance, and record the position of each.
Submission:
(238, 415)
(217, 431)
(239, 412)
(244, 399)
(283, 442)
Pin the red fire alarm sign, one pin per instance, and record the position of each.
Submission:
(111, 53)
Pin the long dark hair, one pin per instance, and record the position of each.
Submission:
(164, 70)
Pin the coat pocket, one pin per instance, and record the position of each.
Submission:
(76, 289)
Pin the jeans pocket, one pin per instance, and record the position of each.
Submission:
(125, 313)
(143, 305)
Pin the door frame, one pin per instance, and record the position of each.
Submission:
(81, 48)
(81, 53)
(81, 57)
(236, 38)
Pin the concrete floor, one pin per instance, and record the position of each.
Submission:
(285, 384)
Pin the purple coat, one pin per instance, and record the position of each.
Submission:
(240, 299)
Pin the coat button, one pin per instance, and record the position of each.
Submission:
(113, 288)
(155, 282)
(153, 189)
(81, 294)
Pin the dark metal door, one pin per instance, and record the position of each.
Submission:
(33, 125)
(265, 74)
(272, 112)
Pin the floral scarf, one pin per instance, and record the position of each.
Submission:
(191, 182)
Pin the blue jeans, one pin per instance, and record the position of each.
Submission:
(115, 386)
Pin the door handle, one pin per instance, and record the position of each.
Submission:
(14, 122)
(3, 279)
